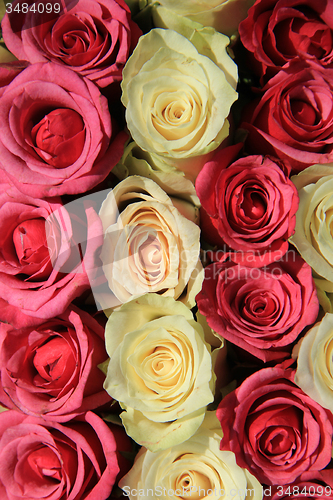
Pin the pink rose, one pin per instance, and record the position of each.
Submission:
(52, 370)
(251, 205)
(40, 262)
(277, 32)
(293, 120)
(94, 39)
(46, 460)
(56, 133)
(261, 310)
(275, 430)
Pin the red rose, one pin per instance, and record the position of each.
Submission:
(52, 370)
(275, 430)
(277, 32)
(55, 130)
(37, 243)
(92, 38)
(293, 120)
(251, 204)
(46, 460)
(261, 310)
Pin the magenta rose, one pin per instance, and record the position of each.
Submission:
(260, 310)
(52, 370)
(275, 430)
(38, 242)
(251, 204)
(277, 32)
(56, 133)
(94, 39)
(293, 120)
(46, 460)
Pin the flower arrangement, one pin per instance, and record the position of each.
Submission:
(166, 249)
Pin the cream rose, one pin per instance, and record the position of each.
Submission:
(149, 246)
(174, 182)
(177, 100)
(223, 15)
(313, 235)
(314, 353)
(193, 470)
(160, 370)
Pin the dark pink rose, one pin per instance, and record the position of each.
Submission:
(260, 310)
(251, 204)
(277, 32)
(275, 430)
(40, 459)
(293, 120)
(8, 71)
(42, 268)
(52, 370)
(56, 133)
(94, 39)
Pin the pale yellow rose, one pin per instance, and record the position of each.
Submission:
(314, 353)
(313, 235)
(193, 470)
(177, 100)
(149, 246)
(160, 370)
(223, 15)
(174, 182)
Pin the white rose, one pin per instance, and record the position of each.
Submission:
(194, 469)
(314, 353)
(223, 15)
(160, 370)
(177, 100)
(313, 231)
(149, 246)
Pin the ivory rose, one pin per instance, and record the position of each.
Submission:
(313, 235)
(223, 15)
(314, 362)
(195, 469)
(177, 100)
(149, 245)
(92, 38)
(160, 370)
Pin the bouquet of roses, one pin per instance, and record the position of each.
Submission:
(166, 249)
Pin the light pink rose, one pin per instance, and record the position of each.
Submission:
(56, 132)
(275, 430)
(263, 311)
(52, 370)
(33, 286)
(46, 460)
